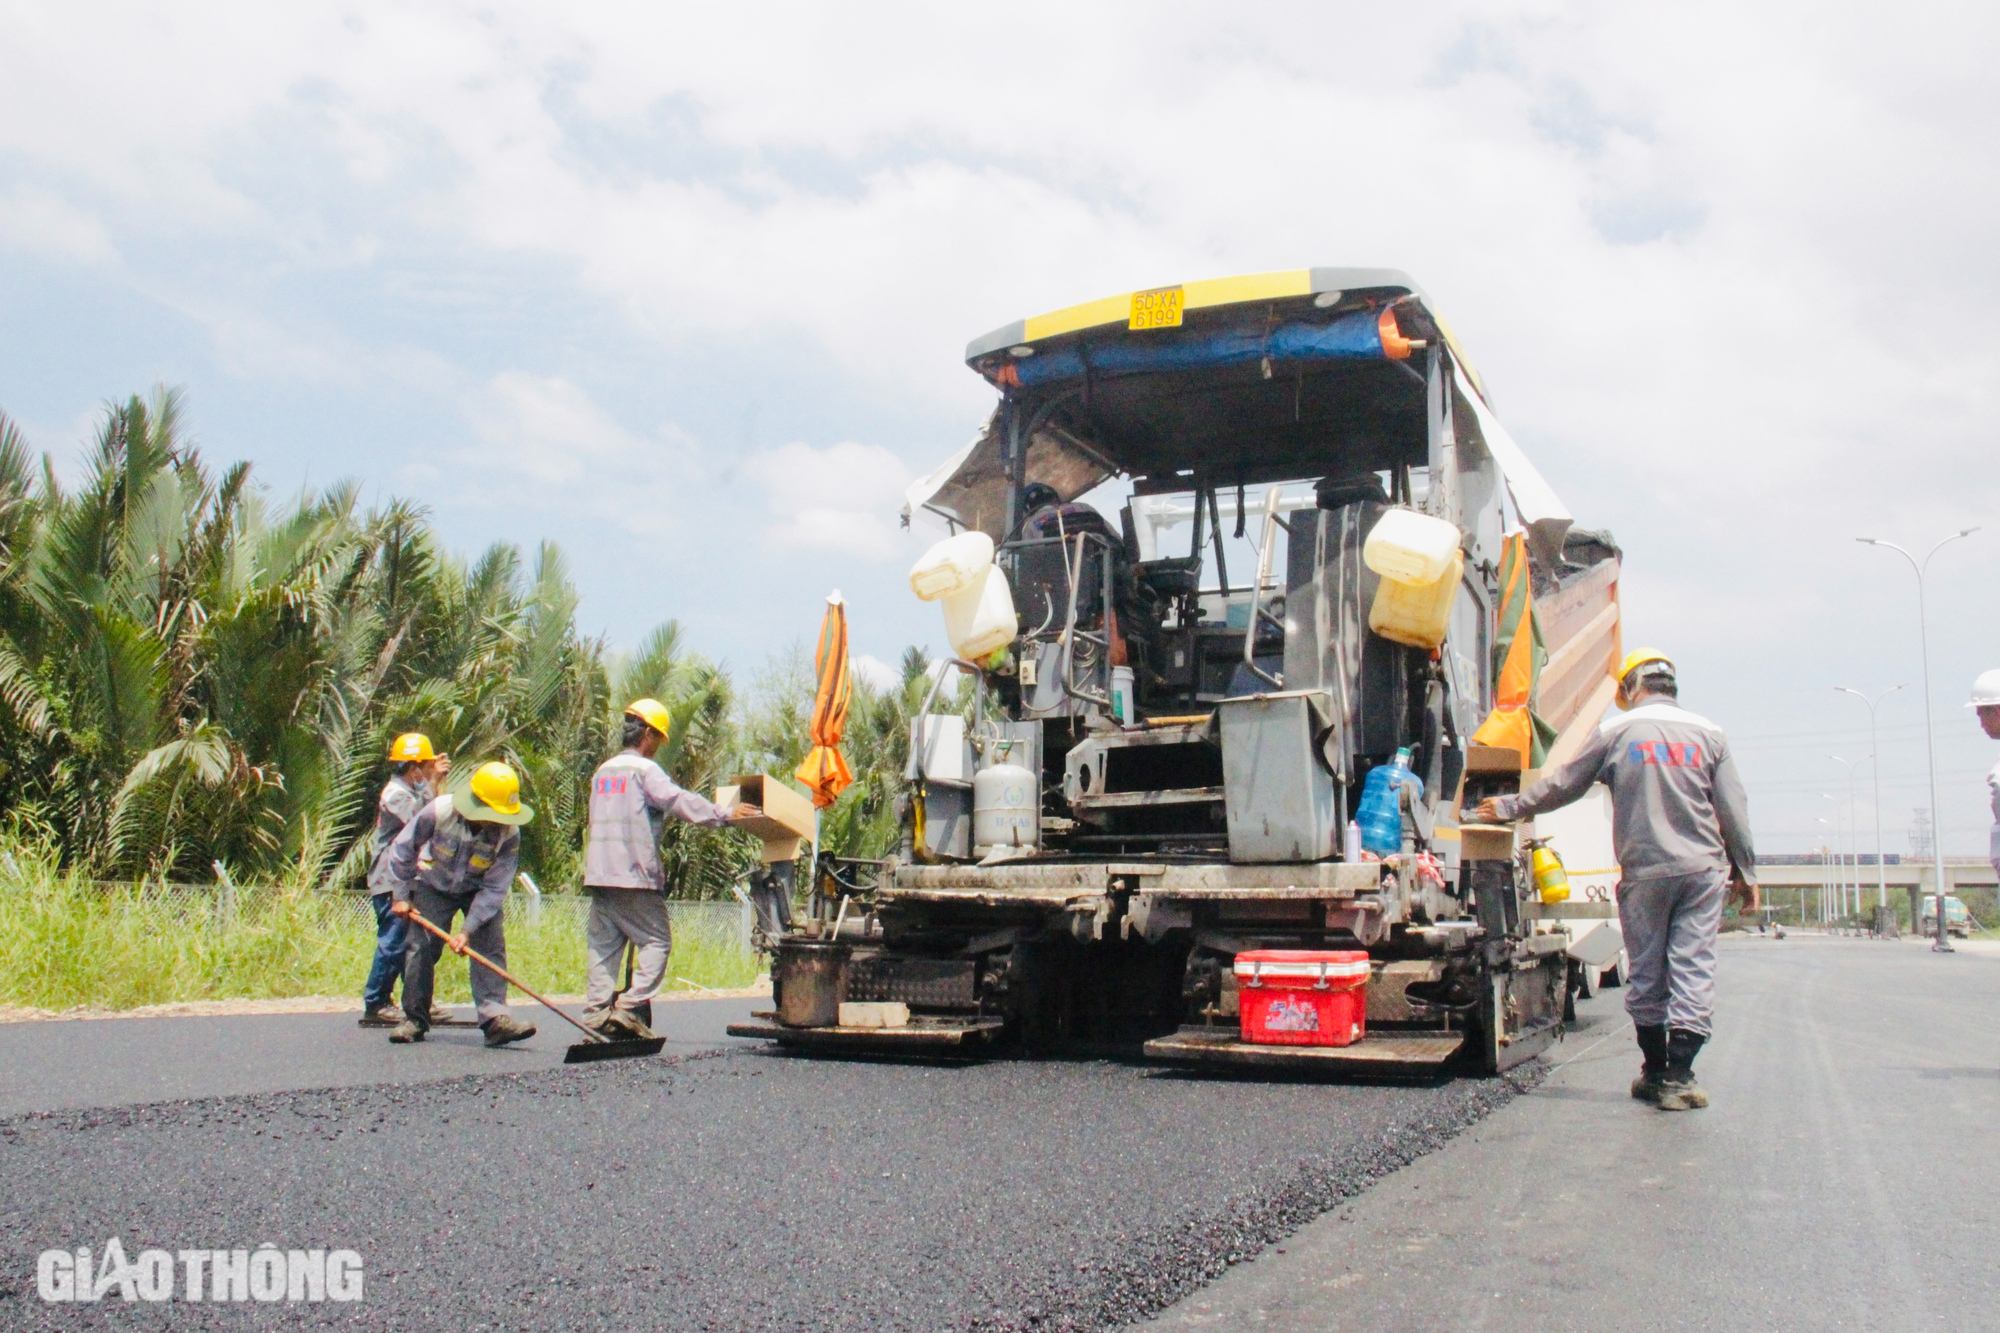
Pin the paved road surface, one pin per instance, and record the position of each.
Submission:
(731, 1189)
(1844, 1178)
(127, 1061)
(1847, 1176)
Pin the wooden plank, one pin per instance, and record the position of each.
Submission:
(1391, 1050)
(1561, 612)
(1580, 727)
(1591, 646)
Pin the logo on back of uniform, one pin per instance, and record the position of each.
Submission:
(1667, 754)
(611, 786)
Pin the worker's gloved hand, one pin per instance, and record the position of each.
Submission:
(402, 908)
(1487, 811)
(457, 943)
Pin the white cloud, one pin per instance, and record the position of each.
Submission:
(547, 429)
(1725, 267)
(840, 500)
(43, 222)
(875, 671)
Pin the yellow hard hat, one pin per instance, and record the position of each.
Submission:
(653, 713)
(412, 747)
(1635, 659)
(495, 797)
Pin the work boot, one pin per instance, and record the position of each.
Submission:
(381, 1016)
(440, 1016)
(506, 1028)
(624, 1025)
(1653, 1049)
(406, 1032)
(1678, 1090)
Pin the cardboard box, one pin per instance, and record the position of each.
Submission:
(787, 816)
(1492, 759)
(1486, 842)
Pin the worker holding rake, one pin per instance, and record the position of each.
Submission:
(458, 856)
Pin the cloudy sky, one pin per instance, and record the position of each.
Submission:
(686, 288)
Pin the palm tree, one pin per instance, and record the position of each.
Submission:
(193, 674)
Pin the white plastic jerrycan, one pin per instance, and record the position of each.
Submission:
(952, 566)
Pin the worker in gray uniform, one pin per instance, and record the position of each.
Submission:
(1681, 827)
(414, 771)
(630, 799)
(459, 855)
(1986, 701)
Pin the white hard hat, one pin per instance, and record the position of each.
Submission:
(1986, 690)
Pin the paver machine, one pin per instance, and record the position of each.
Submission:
(1147, 759)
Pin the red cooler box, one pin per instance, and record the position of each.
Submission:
(1302, 997)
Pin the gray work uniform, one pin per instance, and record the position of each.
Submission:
(630, 799)
(444, 864)
(397, 806)
(1679, 822)
(1993, 838)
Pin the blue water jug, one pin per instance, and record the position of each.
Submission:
(1380, 814)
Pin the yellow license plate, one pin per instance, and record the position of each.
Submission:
(1159, 308)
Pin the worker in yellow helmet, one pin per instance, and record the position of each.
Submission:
(1681, 827)
(630, 799)
(414, 771)
(458, 856)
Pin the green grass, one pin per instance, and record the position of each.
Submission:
(65, 942)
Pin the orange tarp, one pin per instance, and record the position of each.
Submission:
(1519, 655)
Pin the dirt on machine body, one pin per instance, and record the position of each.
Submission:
(1170, 713)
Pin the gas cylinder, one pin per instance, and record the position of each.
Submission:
(1551, 880)
(1006, 808)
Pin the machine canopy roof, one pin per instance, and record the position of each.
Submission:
(1231, 381)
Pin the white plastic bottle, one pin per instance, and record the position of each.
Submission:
(980, 619)
(951, 566)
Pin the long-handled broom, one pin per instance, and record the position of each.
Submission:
(596, 1047)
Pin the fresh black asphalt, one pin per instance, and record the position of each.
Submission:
(715, 1188)
(125, 1061)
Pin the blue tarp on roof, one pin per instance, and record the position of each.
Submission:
(1351, 336)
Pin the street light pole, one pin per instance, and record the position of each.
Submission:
(1839, 857)
(1875, 771)
(1853, 833)
(1943, 941)
(1825, 874)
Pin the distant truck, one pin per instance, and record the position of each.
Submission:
(1957, 920)
(1162, 749)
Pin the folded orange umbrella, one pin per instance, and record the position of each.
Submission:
(825, 771)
